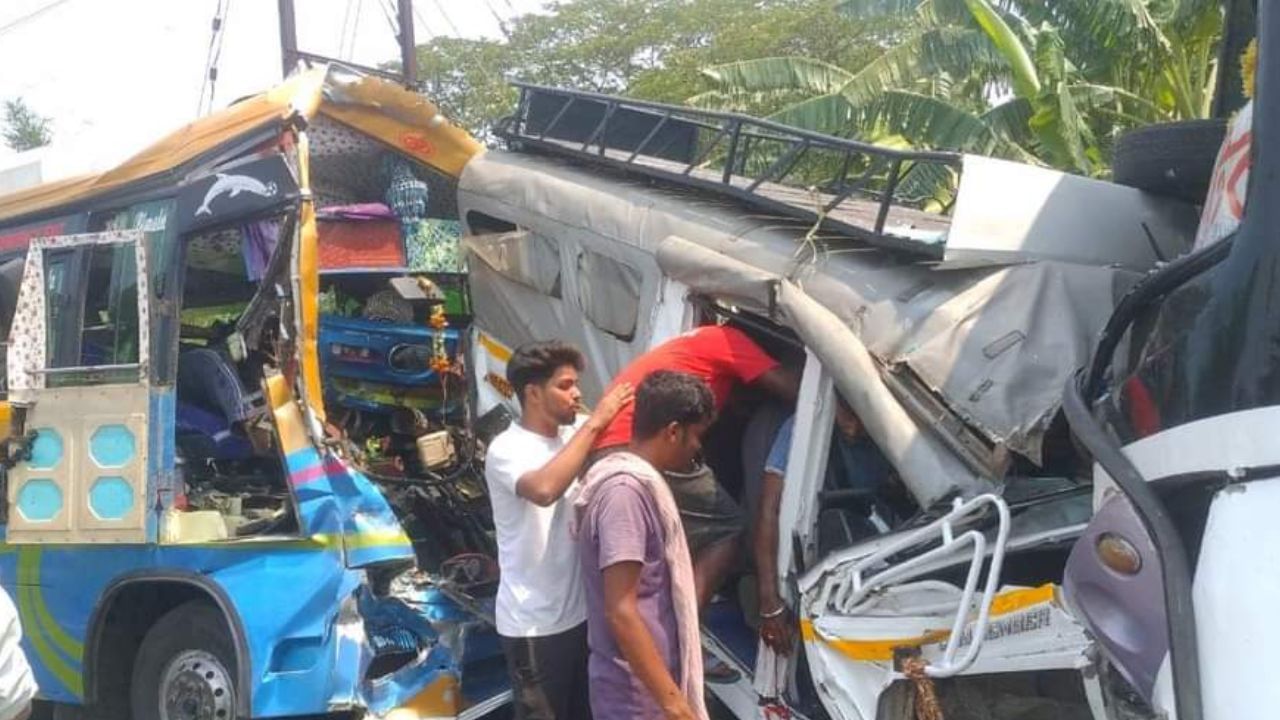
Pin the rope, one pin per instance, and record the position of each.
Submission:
(926, 695)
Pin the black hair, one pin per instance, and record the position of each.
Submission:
(665, 397)
(534, 363)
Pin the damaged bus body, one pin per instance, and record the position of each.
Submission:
(184, 537)
(1098, 554)
(954, 365)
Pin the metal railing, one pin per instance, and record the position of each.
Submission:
(848, 582)
(730, 153)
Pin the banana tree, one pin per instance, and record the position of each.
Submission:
(999, 77)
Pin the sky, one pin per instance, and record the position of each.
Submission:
(115, 75)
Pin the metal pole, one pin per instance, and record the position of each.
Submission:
(408, 48)
(288, 37)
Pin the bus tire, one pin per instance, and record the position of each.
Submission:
(1171, 159)
(187, 663)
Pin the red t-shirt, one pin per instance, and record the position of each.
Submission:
(720, 355)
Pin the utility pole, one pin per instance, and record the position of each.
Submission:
(288, 37)
(408, 48)
(289, 53)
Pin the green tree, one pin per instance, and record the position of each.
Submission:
(467, 79)
(1042, 80)
(24, 129)
(651, 49)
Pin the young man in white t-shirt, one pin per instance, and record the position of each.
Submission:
(531, 470)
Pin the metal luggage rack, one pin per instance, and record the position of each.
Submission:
(857, 189)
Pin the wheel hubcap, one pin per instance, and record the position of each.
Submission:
(196, 686)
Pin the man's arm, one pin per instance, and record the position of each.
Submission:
(775, 624)
(548, 483)
(766, 542)
(775, 619)
(621, 581)
(752, 365)
(780, 382)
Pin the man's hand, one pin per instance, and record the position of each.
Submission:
(611, 404)
(777, 632)
(548, 483)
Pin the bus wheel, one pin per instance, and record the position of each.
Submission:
(186, 667)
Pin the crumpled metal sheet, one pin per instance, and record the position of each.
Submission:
(996, 343)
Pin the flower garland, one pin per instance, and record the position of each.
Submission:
(440, 361)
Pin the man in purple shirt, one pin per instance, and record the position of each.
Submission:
(638, 578)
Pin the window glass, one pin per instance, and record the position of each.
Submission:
(57, 266)
(609, 293)
(110, 329)
(527, 258)
(105, 279)
(155, 220)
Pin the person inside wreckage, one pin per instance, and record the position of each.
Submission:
(747, 449)
(858, 498)
(857, 473)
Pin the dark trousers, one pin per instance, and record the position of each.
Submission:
(549, 675)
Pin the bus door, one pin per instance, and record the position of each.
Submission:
(77, 363)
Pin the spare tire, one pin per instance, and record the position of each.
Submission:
(1170, 159)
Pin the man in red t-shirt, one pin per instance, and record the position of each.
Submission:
(723, 357)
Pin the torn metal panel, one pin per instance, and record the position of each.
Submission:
(990, 342)
(335, 501)
(929, 470)
(399, 631)
(995, 343)
(1008, 212)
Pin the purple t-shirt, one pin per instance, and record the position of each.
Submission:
(622, 525)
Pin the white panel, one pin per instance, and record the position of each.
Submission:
(76, 414)
(1008, 212)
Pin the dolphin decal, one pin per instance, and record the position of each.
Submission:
(233, 185)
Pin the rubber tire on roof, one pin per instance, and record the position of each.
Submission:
(193, 627)
(1171, 159)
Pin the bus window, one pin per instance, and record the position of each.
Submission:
(609, 294)
(99, 343)
(109, 334)
(57, 267)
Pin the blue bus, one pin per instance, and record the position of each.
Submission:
(186, 533)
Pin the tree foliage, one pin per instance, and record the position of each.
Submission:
(651, 49)
(24, 129)
(1047, 81)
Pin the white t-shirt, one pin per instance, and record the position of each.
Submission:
(17, 687)
(540, 592)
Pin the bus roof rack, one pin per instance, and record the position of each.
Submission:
(871, 193)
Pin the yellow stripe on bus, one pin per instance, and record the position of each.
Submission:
(32, 612)
(495, 348)
(882, 650)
